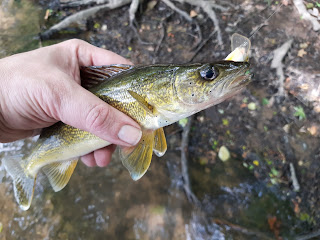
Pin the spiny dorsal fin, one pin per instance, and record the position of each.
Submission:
(142, 101)
(160, 143)
(93, 75)
(23, 185)
(59, 173)
(137, 159)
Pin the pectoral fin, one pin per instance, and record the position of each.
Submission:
(137, 159)
(148, 107)
(59, 173)
(160, 143)
(23, 185)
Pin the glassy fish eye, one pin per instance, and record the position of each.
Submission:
(210, 73)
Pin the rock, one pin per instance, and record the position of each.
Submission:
(252, 106)
(224, 154)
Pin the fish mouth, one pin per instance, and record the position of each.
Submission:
(242, 77)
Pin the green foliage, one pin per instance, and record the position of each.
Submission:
(214, 145)
(299, 112)
(183, 122)
(265, 101)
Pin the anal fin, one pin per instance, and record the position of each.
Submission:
(160, 143)
(23, 185)
(137, 159)
(59, 173)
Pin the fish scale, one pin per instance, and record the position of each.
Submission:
(154, 96)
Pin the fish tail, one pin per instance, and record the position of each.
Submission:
(23, 185)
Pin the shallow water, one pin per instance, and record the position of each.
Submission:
(104, 203)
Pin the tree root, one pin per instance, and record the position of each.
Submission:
(82, 15)
(184, 163)
(305, 15)
(207, 7)
(276, 63)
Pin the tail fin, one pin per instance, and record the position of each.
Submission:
(22, 184)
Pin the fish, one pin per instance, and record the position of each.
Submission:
(155, 96)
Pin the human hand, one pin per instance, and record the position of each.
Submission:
(42, 87)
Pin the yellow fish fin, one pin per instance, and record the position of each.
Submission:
(59, 173)
(148, 107)
(93, 75)
(23, 185)
(160, 143)
(137, 158)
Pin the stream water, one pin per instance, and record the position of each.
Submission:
(104, 203)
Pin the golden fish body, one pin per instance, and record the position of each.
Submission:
(155, 96)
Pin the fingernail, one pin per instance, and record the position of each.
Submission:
(130, 134)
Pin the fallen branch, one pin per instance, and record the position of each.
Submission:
(295, 183)
(184, 163)
(278, 56)
(83, 15)
(306, 15)
(77, 3)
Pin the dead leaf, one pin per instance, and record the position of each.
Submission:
(304, 45)
(193, 13)
(313, 130)
(301, 53)
(151, 5)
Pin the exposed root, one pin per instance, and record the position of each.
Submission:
(207, 7)
(77, 3)
(184, 163)
(132, 11)
(276, 63)
(173, 7)
(305, 15)
(203, 43)
(313, 235)
(83, 15)
(295, 183)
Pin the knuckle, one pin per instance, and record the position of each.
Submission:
(98, 118)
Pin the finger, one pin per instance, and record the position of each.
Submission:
(89, 160)
(89, 55)
(103, 156)
(91, 114)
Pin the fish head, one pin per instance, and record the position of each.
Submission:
(202, 85)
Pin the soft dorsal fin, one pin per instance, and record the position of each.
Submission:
(137, 159)
(148, 107)
(59, 173)
(94, 75)
(160, 143)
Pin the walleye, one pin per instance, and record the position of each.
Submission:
(154, 96)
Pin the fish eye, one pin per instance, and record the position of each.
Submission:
(210, 73)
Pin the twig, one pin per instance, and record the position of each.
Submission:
(305, 15)
(276, 63)
(77, 3)
(82, 15)
(241, 229)
(173, 7)
(201, 46)
(132, 10)
(184, 163)
(295, 183)
(308, 236)
(207, 7)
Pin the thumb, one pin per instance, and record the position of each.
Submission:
(82, 109)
